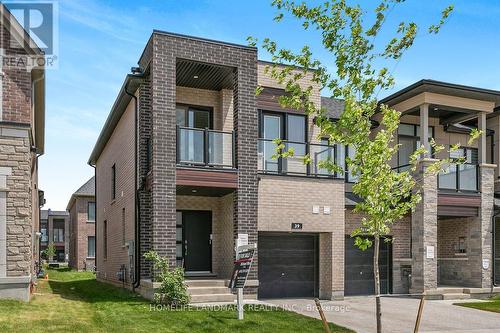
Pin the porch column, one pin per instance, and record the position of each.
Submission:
(424, 232)
(424, 128)
(246, 134)
(481, 240)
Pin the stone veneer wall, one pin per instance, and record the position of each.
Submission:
(424, 233)
(16, 226)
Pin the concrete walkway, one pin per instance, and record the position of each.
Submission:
(398, 315)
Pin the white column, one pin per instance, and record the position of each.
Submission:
(424, 128)
(481, 121)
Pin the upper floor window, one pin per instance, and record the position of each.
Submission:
(58, 235)
(409, 141)
(91, 211)
(113, 182)
(290, 128)
(149, 153)
(194, 117)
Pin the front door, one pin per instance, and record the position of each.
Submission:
(197, 230)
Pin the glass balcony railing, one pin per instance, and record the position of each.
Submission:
(294, 165)
(204, 147)
(459, 177)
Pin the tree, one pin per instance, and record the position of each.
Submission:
(362, 58)
(49, 252)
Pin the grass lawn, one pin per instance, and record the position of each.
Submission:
(75, 302)
(492, 305)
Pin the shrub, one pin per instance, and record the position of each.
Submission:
(173, 290)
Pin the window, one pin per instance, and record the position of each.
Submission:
(91, 246)
(113, 182)
(123, 226)
(462, 246)
(58, 236)
(45, 236)
(194, 117)
(290, 128)
(409, 141)
(149, 153)
(91, 211)
(461, 176)
(105, 240)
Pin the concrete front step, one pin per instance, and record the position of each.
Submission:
(208, 290)
(213, 298)
(206, 283)
(441, 291)
(452, 296)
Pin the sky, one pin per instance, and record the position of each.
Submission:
(99, 41)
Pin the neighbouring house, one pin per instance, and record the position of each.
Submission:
(81, 208)
(22, 114)
(184, 167)
(54, 229)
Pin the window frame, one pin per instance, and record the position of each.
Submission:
(88, 211)
(88, 254)
(113, 181)
(283, 132)
(105, 240)
(187, 107)
(415, 136)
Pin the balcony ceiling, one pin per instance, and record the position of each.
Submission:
(203, 76)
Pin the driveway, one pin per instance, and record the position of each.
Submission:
(398, 315)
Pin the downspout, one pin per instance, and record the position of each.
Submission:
(137, 277)
(493, 254)
(96, 220)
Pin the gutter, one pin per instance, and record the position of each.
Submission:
(137, 275)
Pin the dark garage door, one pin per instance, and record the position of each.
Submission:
(287, 265)
(359, 269)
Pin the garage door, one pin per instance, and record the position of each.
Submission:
(359, 278)
(287, 265)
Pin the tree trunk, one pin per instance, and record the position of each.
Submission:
(378, 310)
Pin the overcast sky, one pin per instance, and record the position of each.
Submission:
(100, 40)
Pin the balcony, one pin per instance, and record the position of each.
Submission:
(294, 165)
(205, 148)
(459, 178)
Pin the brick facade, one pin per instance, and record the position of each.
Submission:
(261, 203)
(20, 114)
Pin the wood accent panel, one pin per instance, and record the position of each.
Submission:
(207, 178)
(268, 100)
(458, 211)
(459, 200)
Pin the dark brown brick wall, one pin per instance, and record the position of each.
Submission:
(164, 50)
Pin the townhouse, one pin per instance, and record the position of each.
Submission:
(22, 109)
(54, 230)
(81, 208)
(184, 167)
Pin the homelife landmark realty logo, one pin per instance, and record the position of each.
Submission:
(30, 34)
